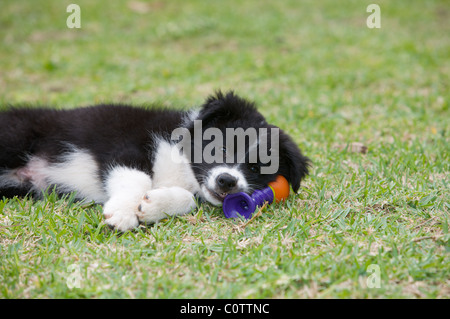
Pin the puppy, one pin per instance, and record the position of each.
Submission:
(145, 163)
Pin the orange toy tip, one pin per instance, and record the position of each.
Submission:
(281, 188)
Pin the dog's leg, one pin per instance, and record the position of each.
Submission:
(125, 188)
(163, 202)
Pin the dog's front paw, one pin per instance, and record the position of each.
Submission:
(163, 202)
(120, 216)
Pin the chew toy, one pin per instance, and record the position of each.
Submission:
(244, 205)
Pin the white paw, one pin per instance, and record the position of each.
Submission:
(163, 202)
(120, 215)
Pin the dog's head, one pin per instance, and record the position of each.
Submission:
(234, 149)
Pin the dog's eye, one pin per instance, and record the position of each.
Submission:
(224, 150)
(254, 168)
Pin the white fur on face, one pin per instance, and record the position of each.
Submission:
(211, 184)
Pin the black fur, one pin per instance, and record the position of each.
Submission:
(125, 135)
(231, 111)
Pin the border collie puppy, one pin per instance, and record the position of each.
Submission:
(131, 160)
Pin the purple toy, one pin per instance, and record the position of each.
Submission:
(243, 204)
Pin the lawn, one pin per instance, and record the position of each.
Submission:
(365, 224)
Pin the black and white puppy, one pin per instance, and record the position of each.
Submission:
(128, 159)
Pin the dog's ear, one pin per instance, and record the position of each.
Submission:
(294, 166)
(227, 107)
(213, 108)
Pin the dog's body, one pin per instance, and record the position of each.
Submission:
(125, 158)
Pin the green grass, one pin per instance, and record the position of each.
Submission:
(314, 69)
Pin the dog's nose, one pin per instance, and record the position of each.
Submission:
(226, 182)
